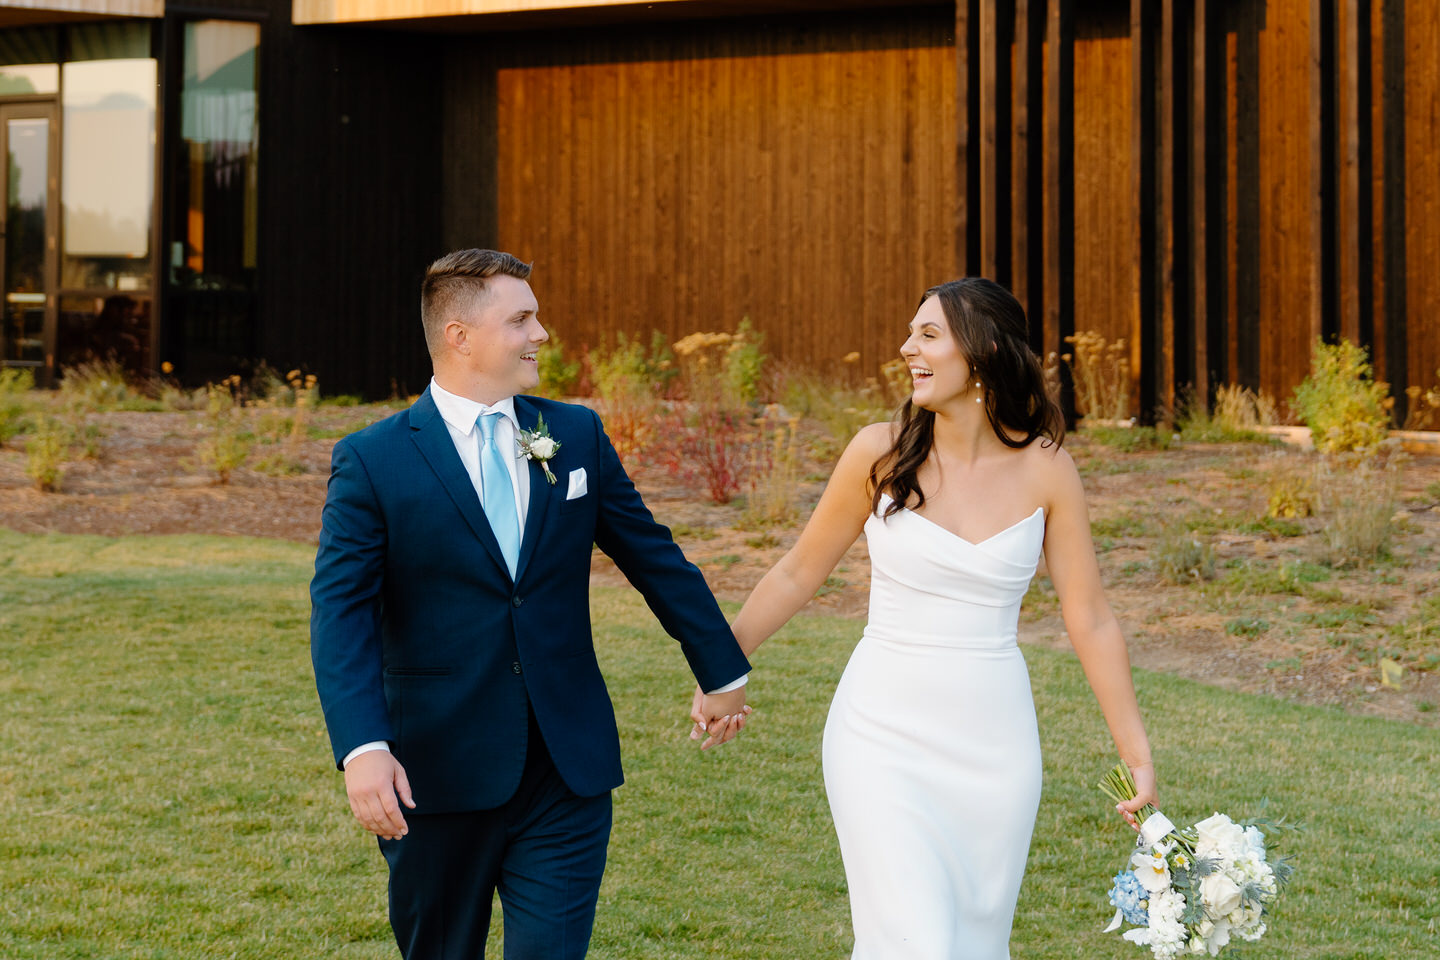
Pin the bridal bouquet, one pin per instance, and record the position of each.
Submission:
(1192, 890)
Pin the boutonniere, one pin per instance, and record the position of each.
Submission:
(538, 445)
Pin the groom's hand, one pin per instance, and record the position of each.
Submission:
(372, 781)
(718, 716)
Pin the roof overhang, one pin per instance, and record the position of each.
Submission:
(23, 13)
(487, 15)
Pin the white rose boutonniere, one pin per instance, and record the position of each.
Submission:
(538, 445)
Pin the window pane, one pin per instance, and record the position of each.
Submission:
(28, 148)
(108, 171)
(216, 184)
(20, 79)
(114, 327)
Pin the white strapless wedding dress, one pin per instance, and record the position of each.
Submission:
(932, 757)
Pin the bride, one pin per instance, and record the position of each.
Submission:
(931, 753)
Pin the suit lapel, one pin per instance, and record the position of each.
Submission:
(542, 491)
(427, 429)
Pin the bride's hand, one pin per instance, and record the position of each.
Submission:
(1145, 792)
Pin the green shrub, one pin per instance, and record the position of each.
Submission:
(45, 453)
(1128, 439)
(722, 368)
(558, 376)
(226, 443)
(745, 363)
(631, 369)
(1341, 403)
(15, 387)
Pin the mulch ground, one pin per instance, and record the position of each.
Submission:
(147, 480)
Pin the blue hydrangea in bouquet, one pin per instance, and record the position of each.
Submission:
(1197, 889)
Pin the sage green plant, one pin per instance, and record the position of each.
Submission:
(1345, 408)
(46, 451)
(226, 443)
(15, 387)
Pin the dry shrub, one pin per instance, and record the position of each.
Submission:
(630, 383)
(1240, 409)
(1101, 371)
(97, 385)
(1182, 557)
(1355, 499)
(839, 407)
(1292, 493)
(1424, 407)
(723, 368)
(774, 479)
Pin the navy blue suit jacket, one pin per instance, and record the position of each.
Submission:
(420, 637)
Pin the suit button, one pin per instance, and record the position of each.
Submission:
(516, 601)
(515, 667)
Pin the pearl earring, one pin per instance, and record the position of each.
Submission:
(981, 398)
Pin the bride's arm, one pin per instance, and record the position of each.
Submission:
(837, 521)
(1094, 631)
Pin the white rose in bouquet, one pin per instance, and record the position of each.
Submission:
(543, 447)
(1219, 838)
(1220, 894)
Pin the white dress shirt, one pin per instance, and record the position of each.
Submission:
(461, 415)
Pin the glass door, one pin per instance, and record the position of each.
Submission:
(27, 238)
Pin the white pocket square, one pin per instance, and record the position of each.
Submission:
(577, 484)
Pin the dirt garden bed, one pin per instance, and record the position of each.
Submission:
(1277, 617)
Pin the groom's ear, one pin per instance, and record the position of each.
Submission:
(457, 337)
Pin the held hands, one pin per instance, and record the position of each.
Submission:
(718, 716)
(372, 781)
(1145, 792)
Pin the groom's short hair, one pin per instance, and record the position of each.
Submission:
(454, 282)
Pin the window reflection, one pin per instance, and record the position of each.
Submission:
(27, 143)
(108, 172)
(23, 79)
(114, 327)
(218, 199)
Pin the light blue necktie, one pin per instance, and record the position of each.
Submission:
(499, 493)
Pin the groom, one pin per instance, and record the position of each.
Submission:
(450, 631)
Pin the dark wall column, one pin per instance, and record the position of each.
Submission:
(1143, 148)
(1059, 230)
(1027, 161)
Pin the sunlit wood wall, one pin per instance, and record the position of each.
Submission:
(1218, 183)
(681, 179)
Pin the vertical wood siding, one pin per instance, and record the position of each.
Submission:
(801, 176)
(1105, 241)
(1422, 192)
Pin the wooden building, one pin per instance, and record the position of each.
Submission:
(1217, 183)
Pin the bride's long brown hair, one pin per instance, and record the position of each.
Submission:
(989, 325)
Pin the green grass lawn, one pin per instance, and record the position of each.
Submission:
(167, 790)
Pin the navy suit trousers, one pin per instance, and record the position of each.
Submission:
(543, 850)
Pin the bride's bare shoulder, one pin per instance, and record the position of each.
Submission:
(1050, 459)
(876, 438)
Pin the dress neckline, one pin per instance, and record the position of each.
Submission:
(1040, 511)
